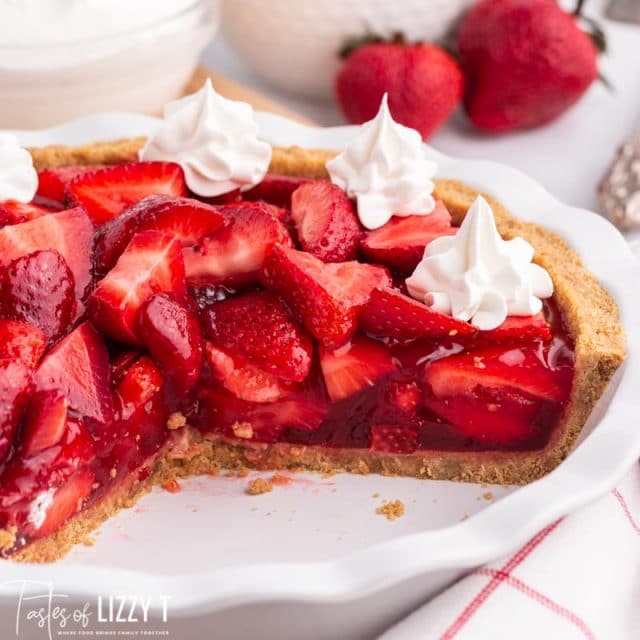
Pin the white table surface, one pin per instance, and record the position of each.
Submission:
(567, 156)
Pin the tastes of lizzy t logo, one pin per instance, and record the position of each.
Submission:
(40, 607)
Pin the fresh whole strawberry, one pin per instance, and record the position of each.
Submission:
(423, 81)
(525, 63)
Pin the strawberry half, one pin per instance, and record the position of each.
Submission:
(326, 221)
(243, 379)
(171, 332)
(79, 367)
(53, 182)
(354, 367)
(391, 438)
(258, 327)
(141, 413)
(275, 189)
(151, 263)
(391, 314)
(39, 288)
(400, 243)
(235, 253)
(15, 389)
(45, 422)
(190, 220)
(106, 193)
(70, 233)
(266, 421)
(516, 329)
(500, 367)
(325, 298)
(39, 493)
(21, 341)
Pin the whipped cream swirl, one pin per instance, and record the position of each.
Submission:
(477, 276)
(214, 140)
(385, 169)
(18, 178)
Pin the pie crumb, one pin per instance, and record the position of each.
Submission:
(488, 496)
(176, 420)
(280, 479)
(243, 472)
(258, 486)
(376, 494)
(171, 486)
(243, 430)
(464, 517)
(88, 541)
(391, 509)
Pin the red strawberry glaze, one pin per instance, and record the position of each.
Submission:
(215, 313)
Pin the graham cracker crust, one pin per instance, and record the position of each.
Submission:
(589, 312)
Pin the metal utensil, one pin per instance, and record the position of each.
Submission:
(624, 10)
(619, 191)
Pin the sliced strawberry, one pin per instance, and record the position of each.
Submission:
(15, 389)
(275, 189)
(21, 341)
(235, 253)
(151, 263)
(391, 438)
(354, 367)
(106, 193)
(18, 212)
(45, 421)
(325, 298)
(502, 367)
(79, 367)
(190, 220)
(258, 327)
(121, 362)
(171, 332)
(65, 502)
(326, 221)
(400, 243)
(391, 314)
(516, 329)
(37, 495)
(53, 182)
(70, 233)
(265, 421)
(141, 411)
(39, 288)
(244, 380)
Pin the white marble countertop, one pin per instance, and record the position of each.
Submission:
(567, 156)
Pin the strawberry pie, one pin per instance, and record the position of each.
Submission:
(201, 300)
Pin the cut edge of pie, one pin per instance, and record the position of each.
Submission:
(589, 313)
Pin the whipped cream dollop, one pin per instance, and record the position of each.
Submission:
(214, 140)
(477, 276)
(18, 177)
(385, 170)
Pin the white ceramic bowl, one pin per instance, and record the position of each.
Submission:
(294, 44)
(312, 560)
(137, 69)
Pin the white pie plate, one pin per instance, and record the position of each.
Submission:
(313, 555)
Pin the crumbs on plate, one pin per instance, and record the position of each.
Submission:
(391, 509)
(258, 486)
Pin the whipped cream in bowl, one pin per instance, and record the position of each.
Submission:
(62, 59)
(385, 170)
(214, 140)
(18, 177)
(477, 276)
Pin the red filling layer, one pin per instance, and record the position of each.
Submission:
(126, 307)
